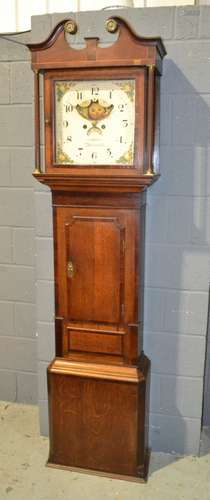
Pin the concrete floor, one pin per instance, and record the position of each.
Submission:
(23, 474)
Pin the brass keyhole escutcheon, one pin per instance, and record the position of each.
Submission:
(70, 269)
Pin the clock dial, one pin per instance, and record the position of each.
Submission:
(95, 122)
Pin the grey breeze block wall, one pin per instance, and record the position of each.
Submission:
(18, 363)
(177, 240)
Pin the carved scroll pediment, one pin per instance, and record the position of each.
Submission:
(128, 49)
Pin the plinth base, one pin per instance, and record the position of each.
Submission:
(98, 418)
(122, 477)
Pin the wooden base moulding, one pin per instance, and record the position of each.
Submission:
(122, 477)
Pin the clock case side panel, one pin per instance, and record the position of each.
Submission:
(140, 77)
(156, 131)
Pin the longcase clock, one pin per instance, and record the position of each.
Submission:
(101, 122)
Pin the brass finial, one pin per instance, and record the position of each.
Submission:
(111, 25)
(70, 27)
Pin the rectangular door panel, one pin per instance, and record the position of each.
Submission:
(90, 248)
(95, 342)
(95, 265)
(94, 247)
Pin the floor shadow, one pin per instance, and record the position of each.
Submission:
(205, 442)
(161, 460)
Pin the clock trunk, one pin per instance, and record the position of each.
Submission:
(99, 279)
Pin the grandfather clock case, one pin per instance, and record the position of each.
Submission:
(101, 124)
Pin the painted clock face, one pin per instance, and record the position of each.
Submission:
(95, 122)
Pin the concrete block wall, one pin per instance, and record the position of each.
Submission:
(177, 242)
(178, 255)
(18, 365)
